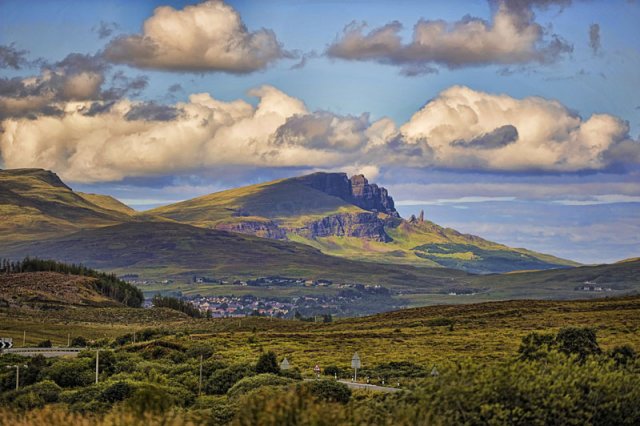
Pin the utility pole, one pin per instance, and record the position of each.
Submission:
(68, 340)
(200, 381)
(134, 336)
(97, 360)
(17, 367)
(24, 338)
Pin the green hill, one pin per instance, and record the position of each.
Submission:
(36, 204)
(172, 250)
(353, 219)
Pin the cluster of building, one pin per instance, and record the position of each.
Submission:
(233, 306)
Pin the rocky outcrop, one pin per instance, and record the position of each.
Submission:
(259, 229)
(357, 191)
(371, 197)
(360, 225)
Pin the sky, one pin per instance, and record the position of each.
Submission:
(515, 120)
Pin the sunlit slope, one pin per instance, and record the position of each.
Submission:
(35, 204)
(284, 201)
(107, 202)
(290, 209)
(428, 244)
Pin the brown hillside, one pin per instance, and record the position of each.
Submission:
(48, 289)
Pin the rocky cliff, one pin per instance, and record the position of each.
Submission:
(357, 191)
(360, 225)
(257, 228)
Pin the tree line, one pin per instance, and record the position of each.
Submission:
(160, 301)
(107, 284)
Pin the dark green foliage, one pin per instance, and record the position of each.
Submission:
(267, 363)
(223, 379)
(176, 304)
(69, 373)
(107, 284)
(623, 355)
(395, 369)
(440, 322)
(44, 344)
(250, 383)
(332, 370)
(535, 345)
(118, 391)
(577, 341)
(580, 342)
(79, 342)
(328, 390)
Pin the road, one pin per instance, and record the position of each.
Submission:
(46, 352)
(367, 386)
(353, 385)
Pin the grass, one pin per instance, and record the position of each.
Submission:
(487, 331)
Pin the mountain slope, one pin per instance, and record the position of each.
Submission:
(349, 218)
(36, 204)
(165, 249)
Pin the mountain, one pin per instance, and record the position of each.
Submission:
(349, 217)
(163, 250)
(35, 204)
(340, 216)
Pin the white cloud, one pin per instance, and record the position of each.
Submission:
(513, 37)
(209, 36)
(459, 129)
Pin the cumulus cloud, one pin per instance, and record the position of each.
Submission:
(594, 38)
(512, 37)
(461, 128)
(212, 37)
(77, 77)
(11, 57)
(542, 134)
(105, 29)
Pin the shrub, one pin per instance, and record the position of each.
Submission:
(333, 370)
(535, 346)
(328, 390)
(79, 342)
(268, 363)
(577, 341)
(222, 380)
(623, 355)
(44, 344)
(116, 392)
(250, 383)
(70, 373)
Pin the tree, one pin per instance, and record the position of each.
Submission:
(268, 363)
(577, 341)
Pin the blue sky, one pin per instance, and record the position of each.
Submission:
(578, 202)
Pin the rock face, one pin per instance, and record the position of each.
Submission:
(357, 191)
(360, 225)
(371, 197)
(259, 229)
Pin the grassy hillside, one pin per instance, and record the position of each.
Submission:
(286, 201)
(107, 202)
(290, 204)
(36, 204)
(165, 249)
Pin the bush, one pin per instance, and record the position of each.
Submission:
(623, 355)
(44, 344)
(535, 346)
(268, 363)
(333, 370)
(70, 373)
(222, 380)
(116, 392)
(79, 342)
(250, 383)
(577, 341)
(328, 390)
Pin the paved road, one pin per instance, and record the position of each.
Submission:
(370, 387)
(353, 385)
(46, 352)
